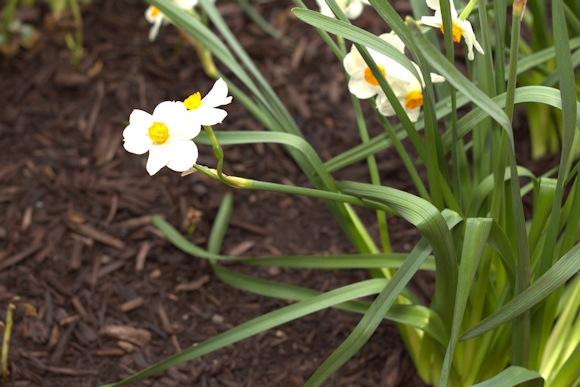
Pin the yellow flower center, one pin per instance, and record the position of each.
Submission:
(457, 31)
(158, 132)
(414, 100)
(370, 77)
(154, 11)
(193, 101)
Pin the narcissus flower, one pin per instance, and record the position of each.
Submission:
(166, 134)
(410, 95)
(204, 111)
(155, 17)
(351, 8)
(460, 27)
(362, 82)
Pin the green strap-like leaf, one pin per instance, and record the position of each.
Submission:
(557, 275)
(380, 306)
(354, 34)
(511, 376)
(262, 323)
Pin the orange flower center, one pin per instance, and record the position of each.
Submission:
(154, 11)
(370, 77)
(158, 132)
(193, 101)
(414, 100)
(457, 31)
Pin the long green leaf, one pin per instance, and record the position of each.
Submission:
(511, 376)
(380, 306)
(354, 34)
(557, 275)
(262, 323)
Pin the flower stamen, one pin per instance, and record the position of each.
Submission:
(193, 101)
(158, 132)
(457, 32)
(414, 100)
(370, 77)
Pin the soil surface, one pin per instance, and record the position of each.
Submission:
(111, 295)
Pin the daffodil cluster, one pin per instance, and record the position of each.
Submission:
(167, 133)
(408, 89)
(351, 8)
(460, 27)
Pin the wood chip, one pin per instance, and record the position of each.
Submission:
(137, 336)
(80, 308)
(13, 260)
(249, 227)
(110, 352)
(132, 304)
(75, 258)
(241, 248)
(132, 223)
(164, 319)
(42, 254)
(58, 370)
(26, 218)
(126, 346)
(97, 235)
(62, 344)
(142, 255)
(188, 287)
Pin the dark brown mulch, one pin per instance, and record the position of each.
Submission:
(75, 241)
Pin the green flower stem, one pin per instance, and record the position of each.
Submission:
(217, 151)
(6, 341)
(467, 10)
(243, 183)
(402, 153)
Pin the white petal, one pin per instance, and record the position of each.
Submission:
(353, 61)
(361, 88)
(218, 95)
(141, 117)
(413, 114)
(159, 156)
(354, 9)
(206, 115)
(183, 155)
(154, 31)
(173, 114)
(185, 4)
(190, 131)
(470, 40)
(135, 140)
(432, 21)
(436, 78)
(324, 8)
(434, 4)
(394, 41)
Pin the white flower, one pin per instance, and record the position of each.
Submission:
(166, 134)
(351, 8)
(155, 17)
(204, 111)
(409, 94)
(460, 27)
(362, 82)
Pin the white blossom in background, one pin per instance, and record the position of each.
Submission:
(362, 83)
(351, 8)
(166, 135)
(460, 27)
(157, 18)
(409, 94)
(205, 111)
